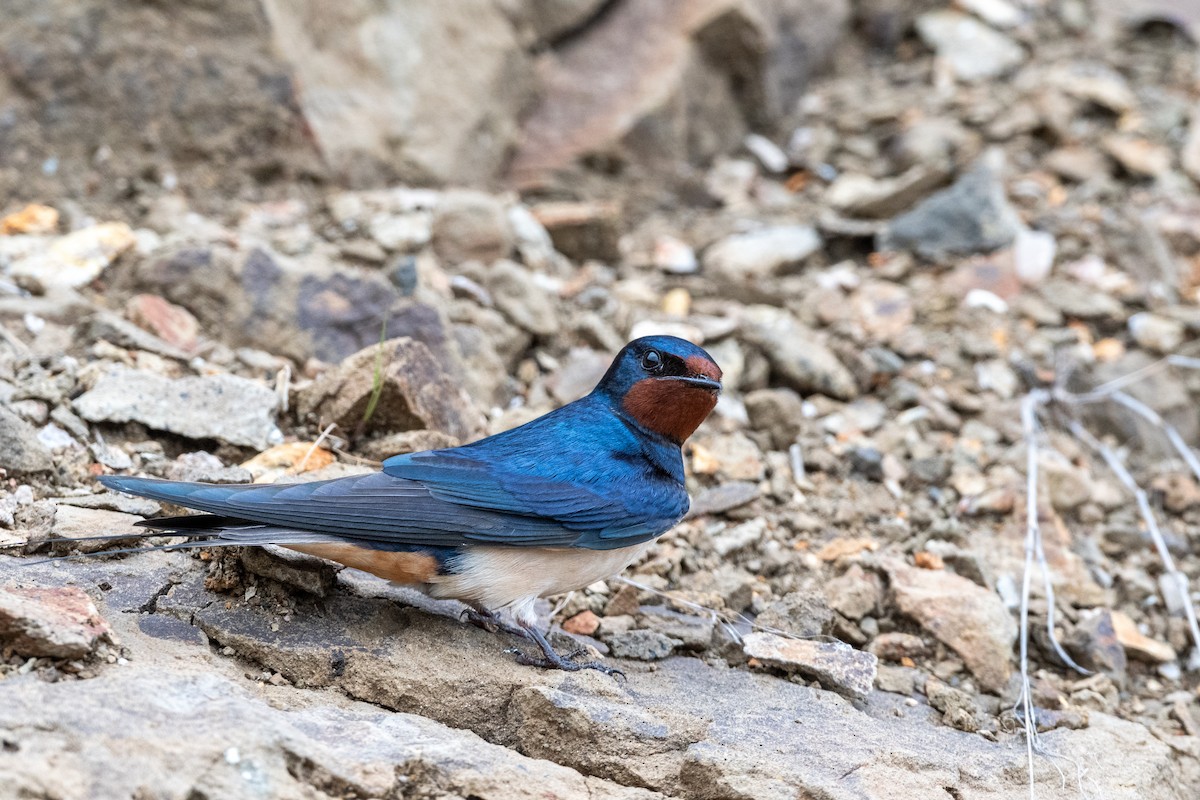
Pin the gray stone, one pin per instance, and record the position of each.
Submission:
(838, 667)
(958, 708)
(864, 196)
(747, 256)
(798, 614)
(1157, 333)
(470, 226)
(972, 50)
(73, 527)
(1093, 643)
(797, 355)
(692, 631)
(222, 407)
(641, 644)
(683, 728)
(739, 537)
(119, 331)
(971, 216)
(725, 497)
(113, 501)
(525, 303)
(201, 467)
(316, 576)
(20, 449)
(901, 680)
(1076, 299)
(777, 412)
(855, 593)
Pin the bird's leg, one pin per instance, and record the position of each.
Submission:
(490, 621)
(551, 658)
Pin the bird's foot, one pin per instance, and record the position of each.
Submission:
(556, 661)
(491, 622)
(552, 659)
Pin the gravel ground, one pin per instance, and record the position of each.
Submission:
(972, 204)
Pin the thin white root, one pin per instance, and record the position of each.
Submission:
(1174, 581)
(726, 619)
(324, 435)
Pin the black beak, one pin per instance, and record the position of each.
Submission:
(698, 382)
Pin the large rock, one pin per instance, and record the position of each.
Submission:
(685, 729)
(657, 84)
(223, 407)
(418, 91)
(20, 448)
(679, 727)
(197, 735)
(416, 393)
(195, 93)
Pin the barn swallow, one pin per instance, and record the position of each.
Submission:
(555, 505)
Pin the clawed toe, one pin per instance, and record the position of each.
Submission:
(565, 664)
(487, 622)
(550, 658)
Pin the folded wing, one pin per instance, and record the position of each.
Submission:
(437, 500)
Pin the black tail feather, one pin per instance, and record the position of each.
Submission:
(130, 550)
(194, 522)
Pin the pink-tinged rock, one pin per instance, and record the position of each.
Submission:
(837, 666)
(633, 69)
(55, 623)
(169, 322)
(963, 615)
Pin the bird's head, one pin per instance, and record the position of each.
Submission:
(665, 384)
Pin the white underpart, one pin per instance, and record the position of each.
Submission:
(514, 577)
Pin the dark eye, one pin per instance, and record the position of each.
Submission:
(652, 361)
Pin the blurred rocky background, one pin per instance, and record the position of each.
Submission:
(283, 240)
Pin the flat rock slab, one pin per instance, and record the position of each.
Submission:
(680, 727)
(73, 527)
(222, 407)
(202, 735)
